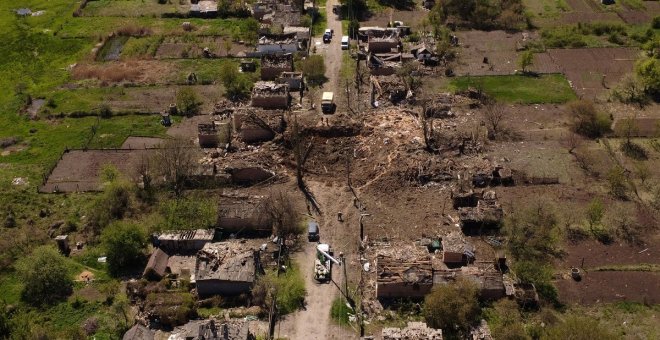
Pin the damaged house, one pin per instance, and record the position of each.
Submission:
(399, 278)
(213, 330)
(278, 44)
(226, 268)
(456, 250)
(203, 8)
(184, 241)
(295, 81)
(270, 95)
(385, 64)
(256, 126)
(385, 44)
(272, 65)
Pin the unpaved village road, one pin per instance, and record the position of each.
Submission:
(314, 322)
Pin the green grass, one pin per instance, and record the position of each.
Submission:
(547, 88)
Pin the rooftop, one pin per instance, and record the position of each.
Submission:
(269, 88)
(198, 234)
(393, 270)
(226, 261)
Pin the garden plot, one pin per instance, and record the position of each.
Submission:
(409, 18)
(79, 170)
(606, 67)
(134, 8)
(184, 47)
(499, 47)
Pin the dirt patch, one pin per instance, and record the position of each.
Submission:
(596, 254)
(606, 67)
(410, 18)
(635, 17)
(85, 276)
(141, 142)
(604, 287)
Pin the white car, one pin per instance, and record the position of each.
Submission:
(344, 42)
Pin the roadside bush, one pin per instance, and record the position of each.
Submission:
(340, 311)
(454, 307)
(46, 276)
(124, 244)
(313, 67)
(587, 120)
(288, 289)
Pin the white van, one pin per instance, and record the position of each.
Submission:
(344, 42)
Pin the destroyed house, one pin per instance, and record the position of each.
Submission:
(486, 215)
(412, 331)
(184, 240)
(302, 33)
(270, 95)
(213, 330)
(391, 88)
(278, 43)
(385, 64)
(207, 135)
(256, 126)
(422, 52)
(388, 44)
(226, 268)
(399, 278)
(272, 65)
(243, 215)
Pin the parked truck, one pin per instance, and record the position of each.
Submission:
(323, 263)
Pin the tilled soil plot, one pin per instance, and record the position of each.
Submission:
(606, 66)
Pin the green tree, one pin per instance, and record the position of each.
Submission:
(112, 205)
(617, 179)
(452, 307)
(533, 233)
(313, 67)
(124, 244)
(237, 85)
(46, 276)
(540, 275)
(648, 71)
(187, 101)
(579, 328)
(526, 60)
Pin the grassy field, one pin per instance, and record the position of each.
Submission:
(547, 88)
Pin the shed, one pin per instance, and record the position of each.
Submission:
(157, 266)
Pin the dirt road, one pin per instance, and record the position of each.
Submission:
(332, 51)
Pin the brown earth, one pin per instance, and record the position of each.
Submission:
(605, 287)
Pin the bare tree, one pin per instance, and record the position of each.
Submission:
(282, 209)
(144, 178)
(176, 162)
(301, 149)
(572, 141)
(494, 115)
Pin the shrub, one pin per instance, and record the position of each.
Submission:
(656, 22)
(170, 308)
(648, 71)
(587, 120)
(533, 233)
(452, 307)
(617, 180)
(45, 275)
(288, 288)
(540, 275)
(113, 204)
(340, 311)
(579, 328)
(237, 85)
(313, 67)
(187, 101)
